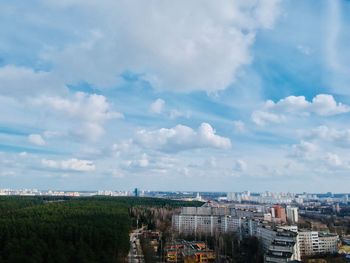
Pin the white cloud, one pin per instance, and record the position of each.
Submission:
(333, 160)
(143, 162)
(125, 147)
(275, 112)
(324, 133)
(202, 46)
(317, 158)
(70, 165)
(322, 104)
(263, 117)
(157, 106)
(182, 138)
(117, 174)
(303, 150)
(149, 164)
(91, 111)
(88, 107)
(325, 105)
(36, 139)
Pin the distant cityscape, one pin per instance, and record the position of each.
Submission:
(266, 197)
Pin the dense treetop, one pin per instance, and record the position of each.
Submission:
(56, 229)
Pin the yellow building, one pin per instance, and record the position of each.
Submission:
(189, 252)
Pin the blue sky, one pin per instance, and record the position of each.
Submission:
(181, 95)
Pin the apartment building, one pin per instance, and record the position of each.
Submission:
(292, 214)
(314, 242)
(279, 212)
(205, 224)
(280, 244)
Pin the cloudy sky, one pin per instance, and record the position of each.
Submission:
(175, 95)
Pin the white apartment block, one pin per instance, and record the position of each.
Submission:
(292, 214)
(208, 221)
(328, 243)
(314, 242)
(205, 224)
(281, 245)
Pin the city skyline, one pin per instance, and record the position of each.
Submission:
(187, 95)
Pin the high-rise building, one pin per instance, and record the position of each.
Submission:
(136, 192)
(231, 196)
(279, 212)
(280, 245)
(292, 214)
(313, 242)
(205, 220)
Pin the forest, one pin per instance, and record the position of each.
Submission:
(62, 229)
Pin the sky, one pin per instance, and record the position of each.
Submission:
(197, 95)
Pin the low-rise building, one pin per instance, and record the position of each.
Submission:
(189, 252)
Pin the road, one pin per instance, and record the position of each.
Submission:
(135, 254)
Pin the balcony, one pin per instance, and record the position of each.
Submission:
(281, 248)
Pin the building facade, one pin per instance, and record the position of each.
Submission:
(280, 245)
(206, 224)
(314, 242)
(279, 212)
(292, 214)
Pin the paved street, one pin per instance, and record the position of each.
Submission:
(135, 254)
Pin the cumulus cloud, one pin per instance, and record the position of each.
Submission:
(89, 107)
(70, 165)
(202, 46)
(143, 162)
(316, 156)
(275, 112)
(36, 139)
(325, 105)
(90, 110)
(303, 150)
(181, 138)
(327, 134)
(157, 106)
(322, 104)
(151, 164)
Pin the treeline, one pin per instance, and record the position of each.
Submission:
(62, 229)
